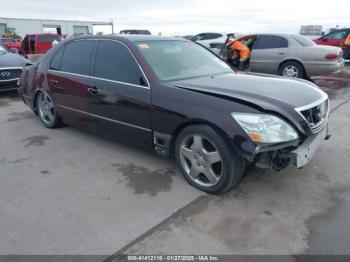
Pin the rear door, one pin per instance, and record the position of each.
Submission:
(68, 77)
(119, 95)
(268, 52)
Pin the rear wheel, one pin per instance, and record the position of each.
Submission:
(47, 112)
(292, 69)
(206, 160)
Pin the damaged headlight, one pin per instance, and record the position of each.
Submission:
(263, 128)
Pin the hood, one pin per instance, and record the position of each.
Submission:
(12, 60)
(265, 91)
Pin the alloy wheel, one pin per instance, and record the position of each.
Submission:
(46, 108)
(291, 71)
(201, 160)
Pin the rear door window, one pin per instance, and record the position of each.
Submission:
(271, 41)
(113, 61)
(77, 57)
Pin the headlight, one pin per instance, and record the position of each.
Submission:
(265, 128)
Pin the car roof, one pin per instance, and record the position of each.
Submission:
(136, 30)
(43, 34)
(273, 34)
(132, 38)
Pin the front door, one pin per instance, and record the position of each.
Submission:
(267, 54)
(119, 95)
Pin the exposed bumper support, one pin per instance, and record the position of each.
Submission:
(304, 153)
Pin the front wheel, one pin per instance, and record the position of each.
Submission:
(206, 160)
(46, 111)
(291, 69)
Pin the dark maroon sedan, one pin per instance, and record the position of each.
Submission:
(179, 99)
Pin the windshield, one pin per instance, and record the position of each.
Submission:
(2, 49)
(303, 41)
(174, 60)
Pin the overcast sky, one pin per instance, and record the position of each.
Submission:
(189, 16)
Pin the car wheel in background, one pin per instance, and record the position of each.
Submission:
(291, 69)
(206, 160)
(46, 111)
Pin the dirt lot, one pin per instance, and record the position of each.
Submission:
(65, 191)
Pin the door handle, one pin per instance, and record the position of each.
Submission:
(281, 53)
(93, 90)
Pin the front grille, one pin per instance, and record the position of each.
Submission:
(4, 86)
(10, 74)
(317, 116)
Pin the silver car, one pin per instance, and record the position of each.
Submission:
(291, 55)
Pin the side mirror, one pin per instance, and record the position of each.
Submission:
(14, 50)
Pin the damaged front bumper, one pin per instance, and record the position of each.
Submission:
(277, 157)
(304, 153)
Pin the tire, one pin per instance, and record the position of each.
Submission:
(292, 69)
(206, 160)
(46, 111)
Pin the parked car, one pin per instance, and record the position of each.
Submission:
(11, 65)
(335, 38)
(175, 97)
(12, 44)
(291, 55)
(206, 39)
(38, 43)
(214, 41)
(135, 32)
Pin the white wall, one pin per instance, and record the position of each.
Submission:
(29, 26)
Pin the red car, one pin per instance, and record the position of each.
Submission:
(11, 43)
(335, 38)
(38, 43)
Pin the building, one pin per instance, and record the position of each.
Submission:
(311, 30)
(23, 27)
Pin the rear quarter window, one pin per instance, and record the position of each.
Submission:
(303, 41)
(56, 60)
